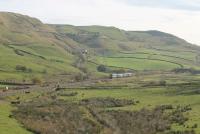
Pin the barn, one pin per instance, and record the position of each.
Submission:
(121, 75)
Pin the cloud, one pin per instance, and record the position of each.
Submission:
(125, 14)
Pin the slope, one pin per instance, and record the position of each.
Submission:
(139, 50)
(29, 48)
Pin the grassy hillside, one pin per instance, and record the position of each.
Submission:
(9, 125)
(27, 42)
(139, 50)
(164, 100)
(30, 49)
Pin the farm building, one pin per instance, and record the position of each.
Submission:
(121, 75)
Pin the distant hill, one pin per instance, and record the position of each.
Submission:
(98, 36)
(29, 48)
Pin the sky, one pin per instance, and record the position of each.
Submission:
(178, 17)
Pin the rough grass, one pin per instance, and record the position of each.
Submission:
(148, 98)
(9, 125)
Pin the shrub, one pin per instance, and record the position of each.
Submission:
(23, 69)
(101, 68)
(80, 77)
(20, 68)
(36, 80)
(195, 126)
(162, 83)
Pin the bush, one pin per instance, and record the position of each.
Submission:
(162, 83)
(101, 68)
(23, 69)
(20, 68)
(80, 77)
(36, 80)
(195, 126)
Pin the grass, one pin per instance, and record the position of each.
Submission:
(149, 59)
(54, 64)
(42, 52)
(138, 64)
(50, 42)
(9, 125)
(148, 97)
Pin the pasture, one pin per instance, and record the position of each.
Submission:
(149, 59)
(146, 91)
(9, 125)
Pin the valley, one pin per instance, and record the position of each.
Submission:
(56, 79)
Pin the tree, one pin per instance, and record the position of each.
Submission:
(101, 68)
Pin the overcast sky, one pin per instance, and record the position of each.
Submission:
(179, 17)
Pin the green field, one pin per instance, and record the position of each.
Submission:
(9, 125)
(149, 60)
(59, 63)
(138, 64)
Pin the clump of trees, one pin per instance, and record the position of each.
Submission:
(81, 64)
(186, 70)
(156, 83)
(102, 68)
(23, 68)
